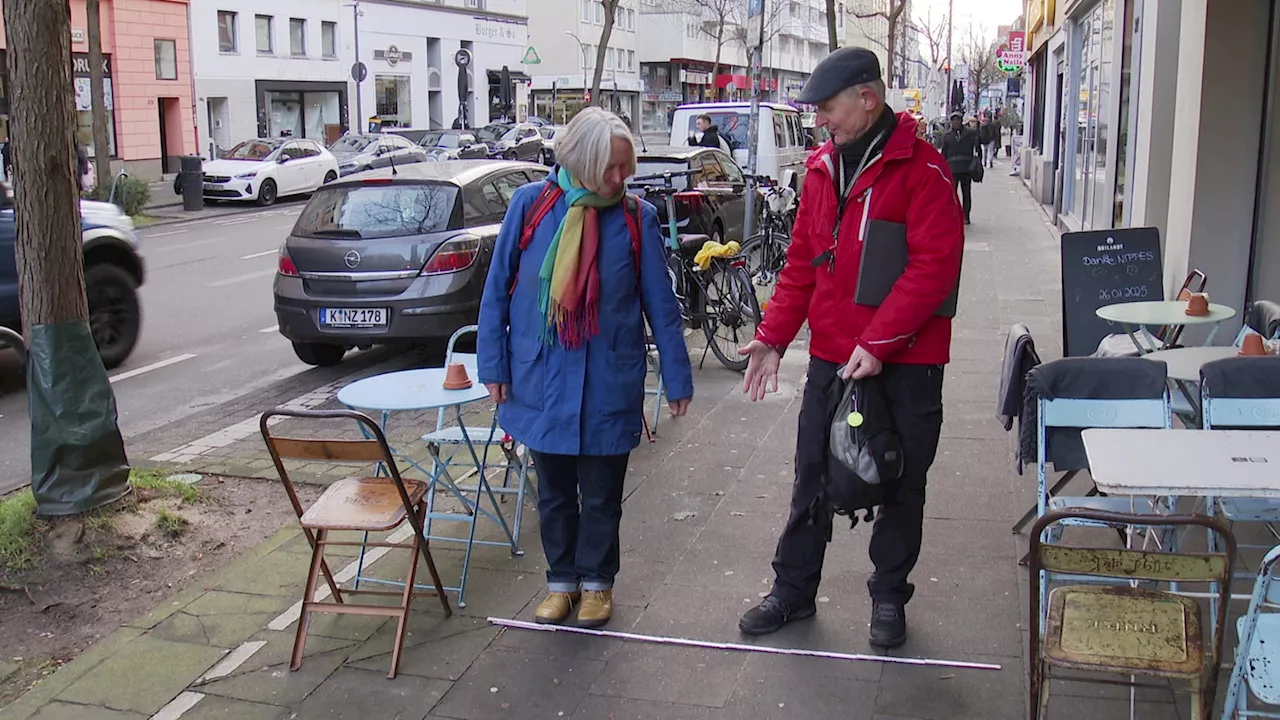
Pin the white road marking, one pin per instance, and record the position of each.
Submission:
(233, 660)
(271, 329)
(163, 234)
(153, 366)
(178, 706)
(196, 243)
(245, 428)
(241, 278)
(264, 253)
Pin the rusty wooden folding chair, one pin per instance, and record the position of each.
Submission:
(364, 504)
(1113, 627)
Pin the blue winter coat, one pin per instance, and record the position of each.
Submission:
(587, 401)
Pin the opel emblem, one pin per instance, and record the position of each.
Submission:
(352, 259)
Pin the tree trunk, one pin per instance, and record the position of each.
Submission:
(833, 36)
(78, 461)
(42, 126)
(610, 10)
(97, 98)
(715, 67)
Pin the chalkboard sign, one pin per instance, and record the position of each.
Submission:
(1105, 267)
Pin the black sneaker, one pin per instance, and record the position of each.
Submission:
(888, 625)
(772, 613)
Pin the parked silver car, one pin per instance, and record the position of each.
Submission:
(357, 153)
(380, 258)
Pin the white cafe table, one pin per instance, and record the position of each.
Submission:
(1184, 463)
(1161, 313)
(1184, 363)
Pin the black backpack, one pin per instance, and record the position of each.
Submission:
(864, 451)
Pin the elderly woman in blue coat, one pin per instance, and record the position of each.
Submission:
(562, 351)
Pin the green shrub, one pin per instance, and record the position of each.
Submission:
(132, 194)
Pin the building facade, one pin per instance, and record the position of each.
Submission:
(415, 50)
(1146, 114)
(146, 79)
(269, 70)
(566, 36)
(680, 44)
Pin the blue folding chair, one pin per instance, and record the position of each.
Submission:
(1067, 414)
(658, 392)
(1257, 662)
(1242, 393)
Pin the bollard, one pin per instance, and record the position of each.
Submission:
(191, 180)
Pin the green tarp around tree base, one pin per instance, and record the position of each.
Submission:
(78, 461)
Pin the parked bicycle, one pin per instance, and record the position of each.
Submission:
(766, 251)
(720, 299)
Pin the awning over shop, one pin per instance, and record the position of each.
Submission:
(496, 76)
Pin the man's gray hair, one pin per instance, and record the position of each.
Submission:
(876, 87)
(587, 144)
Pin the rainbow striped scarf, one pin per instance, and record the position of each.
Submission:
(569, 295)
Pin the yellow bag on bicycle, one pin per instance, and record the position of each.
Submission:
(712, 249)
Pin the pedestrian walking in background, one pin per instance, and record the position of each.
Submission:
(989, 134)
(561, 347)
(961, 147)
(900, 344)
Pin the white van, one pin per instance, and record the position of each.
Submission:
(781, 151)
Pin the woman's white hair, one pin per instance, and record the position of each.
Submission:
(587, 144)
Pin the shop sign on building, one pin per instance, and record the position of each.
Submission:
(495, 29)
(1011, 56)
(392, 55)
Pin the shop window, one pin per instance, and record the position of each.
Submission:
(263, 26)
(84, 114)
(393, 97)
(329, 39)
(166, 60)
(228, 40)
(297, 37)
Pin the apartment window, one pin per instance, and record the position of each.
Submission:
(329, 39)
(297, 36)
(263, 25)
(166, 60)
(610, 59)
(227, 40)
(631, 60)
(599, 13)
(586, 10)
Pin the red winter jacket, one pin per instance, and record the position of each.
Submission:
(909, 183)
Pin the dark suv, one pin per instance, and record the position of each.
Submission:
(113, 271)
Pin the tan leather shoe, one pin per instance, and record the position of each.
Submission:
(555, 608)
(597, 608)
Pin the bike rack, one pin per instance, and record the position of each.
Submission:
(119, 174)
(15, 341)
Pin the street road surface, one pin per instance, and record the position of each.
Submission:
(208, 330)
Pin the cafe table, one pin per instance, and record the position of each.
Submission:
(1184, 370)
(423, 389)
(1184, 463)
(1146, 314)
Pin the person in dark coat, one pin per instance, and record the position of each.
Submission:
(960, 145)
(708, 135)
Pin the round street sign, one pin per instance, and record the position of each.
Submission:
(462, 58)
(359, 72)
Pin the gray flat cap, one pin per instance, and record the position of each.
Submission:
(843, 68)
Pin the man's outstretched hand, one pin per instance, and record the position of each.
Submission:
(762, 369)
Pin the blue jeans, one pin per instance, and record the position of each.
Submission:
(580, 504)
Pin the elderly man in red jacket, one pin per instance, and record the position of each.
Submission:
(874, 168)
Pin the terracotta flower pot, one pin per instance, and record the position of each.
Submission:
(456, 378)
(1252, 345)
(1198, 305)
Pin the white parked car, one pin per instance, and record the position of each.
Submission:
(780, 150)
(268, 168)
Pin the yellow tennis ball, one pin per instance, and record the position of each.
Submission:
(855, 419)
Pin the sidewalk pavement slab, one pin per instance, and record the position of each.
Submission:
(704, 505)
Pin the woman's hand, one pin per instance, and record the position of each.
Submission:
(678, 407)
(498, 392)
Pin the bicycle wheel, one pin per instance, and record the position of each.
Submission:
(732, 313)
(765, 255)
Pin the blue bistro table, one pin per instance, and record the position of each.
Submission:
(1133, 316)
(418, 390)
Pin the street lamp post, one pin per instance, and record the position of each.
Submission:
(582, 52)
